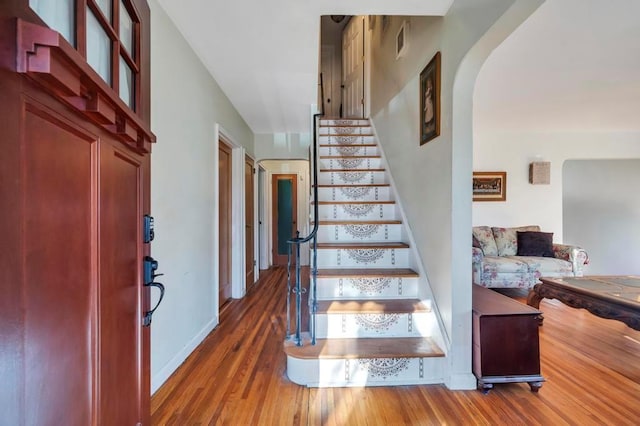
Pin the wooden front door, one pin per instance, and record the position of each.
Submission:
(249, 221)
(285, 215)
(224, 198)
(74, 185)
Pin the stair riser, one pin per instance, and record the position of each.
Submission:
(344, 122)
(362, 177)
(369, 325)
(358, 211)
(374, 258)
(367, 233)
(361, 372)
(346, 288)
(345, 140)
(355, 193)
(346, 131)
(348, 150)
(351, 163)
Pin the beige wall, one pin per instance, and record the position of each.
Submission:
(186, 105)
(433, 180)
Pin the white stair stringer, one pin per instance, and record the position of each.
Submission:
(372, 326)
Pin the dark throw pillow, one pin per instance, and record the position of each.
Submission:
(535, 243)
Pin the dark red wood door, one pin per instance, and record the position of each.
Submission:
(121, 370)
(74, 185)
(59, 164)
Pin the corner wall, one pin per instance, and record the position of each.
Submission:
(541, 97)
(186, 105)
(433, 180)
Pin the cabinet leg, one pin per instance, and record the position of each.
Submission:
(484, 387)
(535, 386)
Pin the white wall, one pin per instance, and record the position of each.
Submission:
(186, 104)
(283, 145)
(434, 184)
(542, 96)
(301, 169)
(601, 212)
(539, 204)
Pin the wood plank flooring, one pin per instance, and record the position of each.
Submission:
(237, 377)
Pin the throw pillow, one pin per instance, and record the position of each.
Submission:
(485, 237)
(507, 241)
(535, 243)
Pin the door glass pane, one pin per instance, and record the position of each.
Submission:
(285, 214)
(98, 48)
(58, 15)
(126, 29)
(126, 83)
(105, 7)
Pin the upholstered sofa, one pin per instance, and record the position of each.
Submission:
(496, 262)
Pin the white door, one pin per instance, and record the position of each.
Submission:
(353, 68)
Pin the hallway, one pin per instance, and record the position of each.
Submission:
(237, 377)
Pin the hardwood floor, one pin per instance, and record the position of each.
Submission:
(237, 376)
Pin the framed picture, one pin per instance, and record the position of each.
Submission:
(489, 186)
(401, 40)
(430, 100)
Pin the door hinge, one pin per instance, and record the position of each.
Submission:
(255, 263)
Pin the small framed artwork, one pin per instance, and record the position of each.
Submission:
(430, 100)
(401, 40)
(489, 186)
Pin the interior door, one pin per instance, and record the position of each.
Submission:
(285, 214)
(224, 199)
(249, 221)
(75, 182)
(353, 68)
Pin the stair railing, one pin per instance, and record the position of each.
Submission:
(298, 290)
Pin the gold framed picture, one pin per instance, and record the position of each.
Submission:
(489, 186)
(430, 100)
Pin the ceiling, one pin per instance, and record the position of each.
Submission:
(264, 54)
(574, 65)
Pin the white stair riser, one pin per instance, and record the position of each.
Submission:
(345, 288)
(355, 193)
(351, 163)
(367, 258)
(356, 177)
(338, 326)
(345, 140)
(346, 131)
(348, 150)
(344, 122)
(368, 233)
(358, 211)
(369, 372)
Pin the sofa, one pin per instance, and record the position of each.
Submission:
(498, 262)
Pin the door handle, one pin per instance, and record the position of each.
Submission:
(146, 321)
(149, 275)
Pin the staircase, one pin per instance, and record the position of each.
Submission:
(371, 327)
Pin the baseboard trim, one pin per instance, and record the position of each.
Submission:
(158, 379)
(461, 382)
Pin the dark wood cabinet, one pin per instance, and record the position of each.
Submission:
(506, 346)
